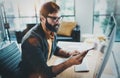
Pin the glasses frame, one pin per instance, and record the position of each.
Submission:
(55, 19)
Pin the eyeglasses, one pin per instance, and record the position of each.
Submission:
(55, 18)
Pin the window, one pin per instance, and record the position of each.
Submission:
(102, 11)
(67, 9)
(18, 13)
(21, 12)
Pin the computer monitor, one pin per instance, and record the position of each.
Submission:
(110, 34)
(110, 26)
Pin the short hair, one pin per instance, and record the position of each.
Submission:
(49, 8)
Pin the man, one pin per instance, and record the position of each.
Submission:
(39, 44)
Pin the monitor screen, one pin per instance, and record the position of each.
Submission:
(110, 33)
(110, 26)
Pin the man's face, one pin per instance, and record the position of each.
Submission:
(53, 21)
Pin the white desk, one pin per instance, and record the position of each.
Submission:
(91, 60)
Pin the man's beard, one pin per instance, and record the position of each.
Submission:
(53, 28)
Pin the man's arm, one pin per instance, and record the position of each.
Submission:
(65, 54)
(72, 61)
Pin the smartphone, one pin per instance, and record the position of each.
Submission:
(86, 51)
(90, 49)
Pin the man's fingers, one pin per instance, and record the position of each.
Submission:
(82, 54)
(75, 53)
(81, 57)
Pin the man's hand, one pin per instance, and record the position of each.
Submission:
(73, 53)
(77, 59)
(65, 54)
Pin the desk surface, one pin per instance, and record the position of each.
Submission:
(91, 60)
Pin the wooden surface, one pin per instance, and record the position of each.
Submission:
(92, 60)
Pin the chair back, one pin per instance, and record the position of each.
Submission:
(10, 57)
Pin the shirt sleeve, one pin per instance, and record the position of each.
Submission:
(33, 54)
(56, 50)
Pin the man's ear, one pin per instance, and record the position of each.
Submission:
(42, 18)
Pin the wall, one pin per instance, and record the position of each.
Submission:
(1, 24)
(2, 31)
(84, 15)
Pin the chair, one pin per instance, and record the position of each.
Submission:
(10, 57)
(19, 34)
(69, 31)
(72, 32)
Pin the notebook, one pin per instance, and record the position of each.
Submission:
(77, 68)
(81, 67)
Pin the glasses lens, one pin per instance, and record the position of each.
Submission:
(58, 19)
(54, 18)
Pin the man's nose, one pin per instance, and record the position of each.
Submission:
(57, 22)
